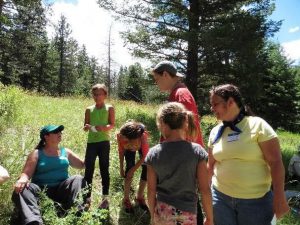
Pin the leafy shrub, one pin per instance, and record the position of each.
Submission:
(50, 211)
(10, 98)
(207, 124)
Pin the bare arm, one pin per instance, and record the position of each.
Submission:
(74, 160)
(134, 168)
(111, 121)
(28, 171)
(151, 187)
(87, 125)
(3, 175)
(204, 188)
(121, 156)
(272, 155)
(145, 148)
(210, 165)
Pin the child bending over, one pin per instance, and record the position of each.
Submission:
(132, 138)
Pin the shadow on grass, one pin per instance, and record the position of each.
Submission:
(140, 217)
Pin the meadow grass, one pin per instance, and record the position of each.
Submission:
(21, 135)
(19, 138)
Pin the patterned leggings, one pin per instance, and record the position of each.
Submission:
(168, 215)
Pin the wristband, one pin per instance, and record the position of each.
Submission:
(93, 129)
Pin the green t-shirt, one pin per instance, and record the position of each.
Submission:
(99, 117)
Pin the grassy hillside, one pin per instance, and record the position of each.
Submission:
(20, 134)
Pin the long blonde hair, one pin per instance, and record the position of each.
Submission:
(174, 114)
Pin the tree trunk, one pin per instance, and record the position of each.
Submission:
(192, 54)
(109, 61)
(1, 7)
(61, 72)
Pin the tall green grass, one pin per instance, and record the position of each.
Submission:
(20, 134)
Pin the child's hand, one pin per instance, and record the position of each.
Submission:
(99, 128)
(130, 173)
(87, 127)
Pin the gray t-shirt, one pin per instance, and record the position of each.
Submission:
(175, 164)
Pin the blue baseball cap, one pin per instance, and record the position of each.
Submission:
(50, 129)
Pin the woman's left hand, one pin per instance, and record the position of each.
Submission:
(280, 206)
(208, 222)
(272, 155)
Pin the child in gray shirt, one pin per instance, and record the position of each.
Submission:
(175, 169)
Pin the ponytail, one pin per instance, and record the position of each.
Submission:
(248, 111)
(41, 144)
(175, 115)
(192, 129)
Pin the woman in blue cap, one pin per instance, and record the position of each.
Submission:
(47, 168)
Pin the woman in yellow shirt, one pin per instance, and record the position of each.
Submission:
(244, 160)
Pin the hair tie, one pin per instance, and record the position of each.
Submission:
(142, 127)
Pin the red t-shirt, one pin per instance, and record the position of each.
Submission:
(182, 95)
(144, 144)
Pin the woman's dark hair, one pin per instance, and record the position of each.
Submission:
(41, 144)
(227, 91)
(132, 130)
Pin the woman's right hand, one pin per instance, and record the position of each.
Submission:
(28, 171)
(21, 184)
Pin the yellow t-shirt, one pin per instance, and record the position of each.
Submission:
(240, 170)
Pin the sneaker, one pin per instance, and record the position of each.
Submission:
(104, 204)
(142, 204)
(83, 208)
(87, 204)
(128, 206)
(60, 211)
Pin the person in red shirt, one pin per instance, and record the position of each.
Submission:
(169, 80)
(131, 138)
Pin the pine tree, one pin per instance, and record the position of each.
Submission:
(210, 41)
(122, 82)
(67, 49)
(22, 37)
(133, 90)
(279, 102)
